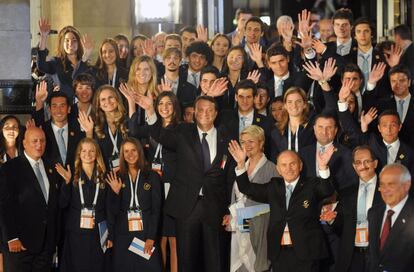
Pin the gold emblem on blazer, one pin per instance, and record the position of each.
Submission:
(81, 182)
(102, 186)
(401, 156)
(50, 170)
(147, 186)
(258, 119)
(305, 204)
(377, 57)
(123, 185)
(72, 133)
(355, 48)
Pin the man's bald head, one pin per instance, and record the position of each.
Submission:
(289, 165)
(34, 142)
(395, 183)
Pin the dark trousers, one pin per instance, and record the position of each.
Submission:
(25, 261)
(359, 261)
(200, 247)
(289, 262)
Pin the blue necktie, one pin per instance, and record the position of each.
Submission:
(365, 67)
(362, 203)
(206, 152)
(242, 123)
(400, 110)
(339, 49)
(289, 191)
(61, 145)
(39, 178)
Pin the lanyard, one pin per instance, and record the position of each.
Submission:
(158, 151)
(114, 141)
(134, 196)
(112, 82)
(296, 139)
(95, 198)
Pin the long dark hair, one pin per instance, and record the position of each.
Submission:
(19, 139)
(100, 65)
(245, 67)
(176, 117)
(141, 162)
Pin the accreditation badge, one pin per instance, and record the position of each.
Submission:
(114, 160)
(135, 222)
(87, 220)
(157, 167)
(286, 240)
(361, 234)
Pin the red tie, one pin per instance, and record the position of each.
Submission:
(386, 228)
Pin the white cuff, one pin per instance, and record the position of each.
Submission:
(310, 55)
(151, 119)
(324, 173)
(371, 86)
(240, 172)
(342, 106)
(12, 240)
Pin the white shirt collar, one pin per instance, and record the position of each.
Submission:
(293, 183)
(373, 180)
(32, 161)
(397, 208)
(318, 145)
(278, 79)
(209, 132)
(249, 116)
(345, 44)
(368, 53)
(407, 98)
(56, 128)
(393, 144)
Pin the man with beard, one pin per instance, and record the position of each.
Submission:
(186, 92)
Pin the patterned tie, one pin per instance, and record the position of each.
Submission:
(61, 145)
(206, 152)
(339, 49)
(279, 88)
(39, 178)
(365, 67)
(362, 200)
(400, 110)
(242, 123)
(386, 229)
(195, 79)
(289, 190)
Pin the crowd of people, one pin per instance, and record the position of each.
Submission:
(235, 153)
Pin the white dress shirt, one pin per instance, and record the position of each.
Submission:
(370, 191)
(392, 152)
(346, 47)
(211, 140)
(42, 171)
(65, 133)
(278, 82)
(397, 210)
(405, 106)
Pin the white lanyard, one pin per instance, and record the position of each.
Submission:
(88, 112)
(296, 139)
(95, 199)
(134, 196)
(113, 79)
(114, 141)
(158, 151)
(5, 156)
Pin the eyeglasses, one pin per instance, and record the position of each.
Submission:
(365, 162)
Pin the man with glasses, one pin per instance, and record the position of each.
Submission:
(351, 214)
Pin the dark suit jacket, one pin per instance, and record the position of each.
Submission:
(345, 223)
(340, 165)
(230, 119)
(107, 146)
(407, 130)
(302, 215)
(407, 59)
(190, 176)
(298, 79)
(149, 197)
(26, 214)
(398, 252)
(121, 77)
(186, 92)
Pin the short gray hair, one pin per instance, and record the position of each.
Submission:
(405, 175)
(282, 19)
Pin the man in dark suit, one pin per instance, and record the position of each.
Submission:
(391, 237)
(241, 17)
(325, 129)
(29, 207)
(62, 133)
(351, 217)
(403, 39)
(295, 238)
(402, 102)
(245, 115)
(185, 91)
(197, 197)
(280, 79)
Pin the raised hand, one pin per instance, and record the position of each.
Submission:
(30, 124)
(393, 56)
(44, 27)
(86, 123)
(114, 182)
(237, 38)
(305, 41)
(41, 92)
(202, 33)
(256, 54)
(345, 90)
(88, 45)
(66, 174)
(239, 154)
(286, 31)
(145, 101)
(16, 246)
(318, 46)
(377, 73)
(254, 76)
(127, 91)
(304, 25)
(148, 48)
(324, 157)
(367, 118)
(327, 214)
(165, 86)
(219, 87)
(329, 69)
(313, 69)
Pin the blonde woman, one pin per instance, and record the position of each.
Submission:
(259, 170)
(85, 195)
